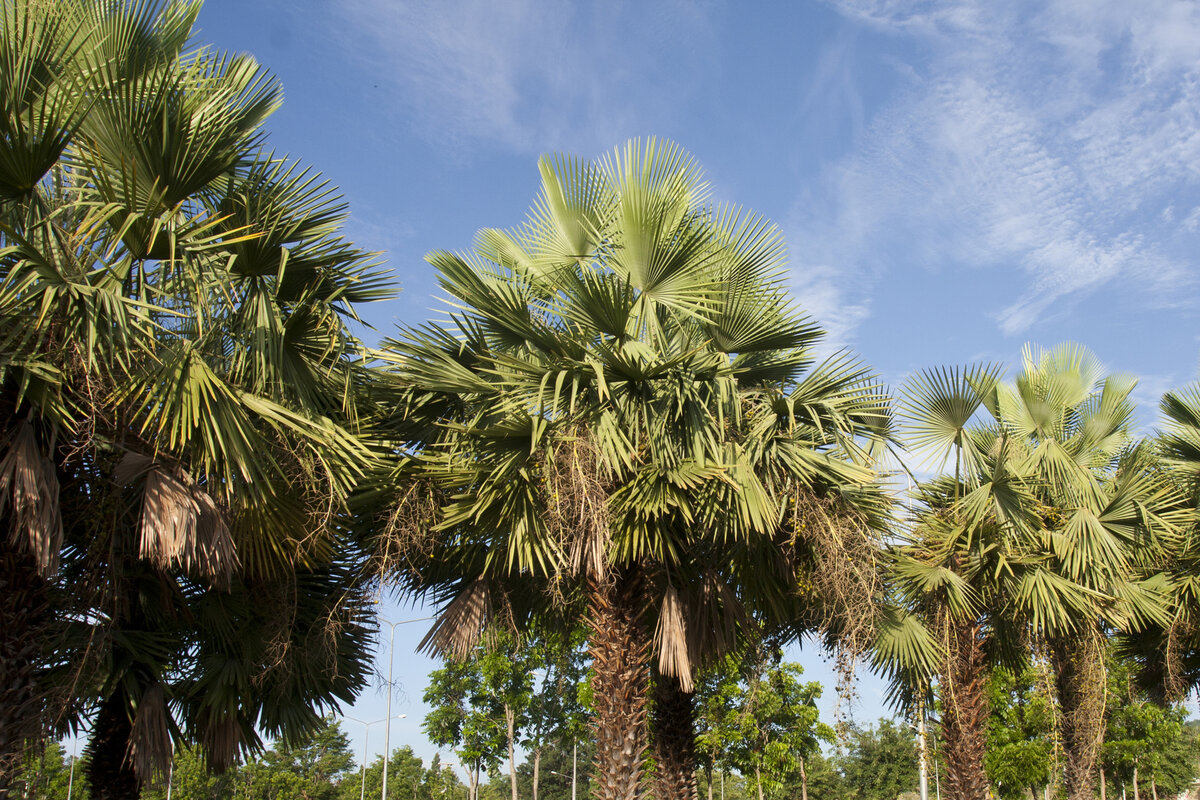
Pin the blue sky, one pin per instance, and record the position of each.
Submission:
(954, 179)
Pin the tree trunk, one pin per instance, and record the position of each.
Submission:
(1079, 677)
(1103, 787)
(619, 648)
(803, 781)
(674, 741)
(964, 714)
(1136, 794)
(111, 774)
(708, 773)
(510, 718)
(23, 616)
(758, 780)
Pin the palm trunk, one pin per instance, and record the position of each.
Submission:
(964, 714)
(619, 648)
(111, 775)
(674, 741)
(23, 616)
(1079, 676)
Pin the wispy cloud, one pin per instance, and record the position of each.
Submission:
(1060, 142)
(527, 75)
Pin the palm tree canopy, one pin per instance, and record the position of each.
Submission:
(180, 389)
(623, 380)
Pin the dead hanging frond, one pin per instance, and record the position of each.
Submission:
(408, 537)
(459, 627)
(29, 492)
(180, 522)
(671, 640)
(714, 616)
(577, 504)
(150, 745)
(222, 742)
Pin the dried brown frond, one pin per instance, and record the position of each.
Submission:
(577, 503)
(29, 486)
(180, 523)
(671, 641)
(150, 746)
(459, 627)
(222, 743)
(715, 614)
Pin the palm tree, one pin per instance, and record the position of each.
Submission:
(178, 388)
(1168, 655)
(628, 417)
(1044, 532)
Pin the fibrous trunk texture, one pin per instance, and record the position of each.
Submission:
(964, 714)
(674, 741)
(1079, 676)
(619, 648)
(111, 772)
(23, 614)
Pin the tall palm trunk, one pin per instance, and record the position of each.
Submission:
(619, 648)
(110, 772)
(23, 615)
(1079, 676)
(964, 713)
(674, 741)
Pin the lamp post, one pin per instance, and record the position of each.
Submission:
(366, 735)
(71, 777)
(387, 730)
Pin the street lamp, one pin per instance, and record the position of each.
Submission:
(366, 734)
(387, 735)
(71, 778)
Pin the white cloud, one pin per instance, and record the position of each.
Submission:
(526, 75)
(1041, 140)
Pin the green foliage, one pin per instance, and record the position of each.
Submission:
(534, 685)
(474, 701)
(554, 771)
(408, 779)
(46, 775)
(757, 717)
(1146, 736)
(1020, 740)
(880, 762)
